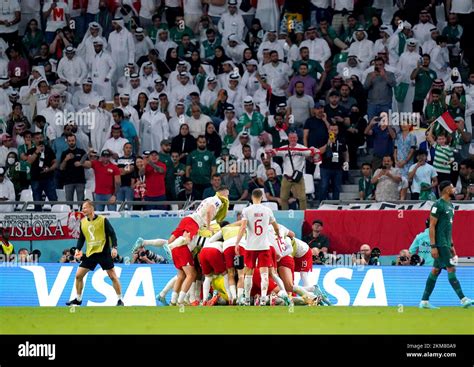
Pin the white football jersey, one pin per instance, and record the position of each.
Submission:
(199, 215)
(301, 248)
(281, 247)
(259, 219)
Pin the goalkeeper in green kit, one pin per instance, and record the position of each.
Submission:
(442, 249)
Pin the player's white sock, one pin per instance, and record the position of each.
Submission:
(278, 281)
(174, 297)
(240, 293)
(198, 289)
(157, 242)
(180, 241)
(309, 288)
(226, 285)
(79, 297)
(264, 284)
(233, 291)
(305, 278)
(300, 291)
(206, 286)
(119, 297)
(192, 292)
(181, 297)
(169, 286)
(247, 285)
(282, 294)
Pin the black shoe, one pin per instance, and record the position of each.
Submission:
(120, 303)
(74, 302)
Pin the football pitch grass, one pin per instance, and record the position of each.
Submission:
(235, 320)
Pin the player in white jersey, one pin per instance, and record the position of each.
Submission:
(256, 220)
(284, 263)
(211, 208)
(303, 259)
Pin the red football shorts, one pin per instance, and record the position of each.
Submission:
(264, 258)
(182, 257)
(186, 224)
(305, 262)
(212, 261)
(229, 254)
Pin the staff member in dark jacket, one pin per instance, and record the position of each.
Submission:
(99, 236)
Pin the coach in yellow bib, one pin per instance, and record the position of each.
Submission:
(99, 236)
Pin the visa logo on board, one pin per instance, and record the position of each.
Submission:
(142, 278)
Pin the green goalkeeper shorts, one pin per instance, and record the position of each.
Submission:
(443, 259)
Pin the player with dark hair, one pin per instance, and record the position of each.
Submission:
(99, 236)
(442, 247)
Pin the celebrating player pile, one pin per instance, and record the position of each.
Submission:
(215, 251)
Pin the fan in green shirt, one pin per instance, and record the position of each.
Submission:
(175, 179)
(177, 32)
(442, 249)
(314, 67)
(155, 28)
(423, 77)
(201, 164)
(251, 120)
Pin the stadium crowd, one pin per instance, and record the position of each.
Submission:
(167, 100)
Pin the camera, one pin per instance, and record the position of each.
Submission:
(416, 260)
(34, 256)
(150, 255)
(374, 256)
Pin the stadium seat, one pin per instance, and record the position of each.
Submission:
(272, 205)
(60, 208)
(26, 195)
(239, 207)
(309, 184)
(61, 194)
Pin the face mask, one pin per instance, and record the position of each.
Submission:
(11, 160)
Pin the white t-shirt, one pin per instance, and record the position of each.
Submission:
(57, 17)
(344, 4)
(192, 6)
(93, 6)
(30, 6)
(7, 13)
(423, 174)
(259, 219)
(199, 215)
(461, 6)
(172, 3)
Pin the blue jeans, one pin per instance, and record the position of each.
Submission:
(43, 185)
(377, 109)
(335, 177)
(104, 197)
(156, 198)
(125, 193)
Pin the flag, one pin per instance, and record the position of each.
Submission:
(447, 122)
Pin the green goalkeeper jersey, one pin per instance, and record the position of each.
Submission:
(444, 212)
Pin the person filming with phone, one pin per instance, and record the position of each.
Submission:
(379, 84)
